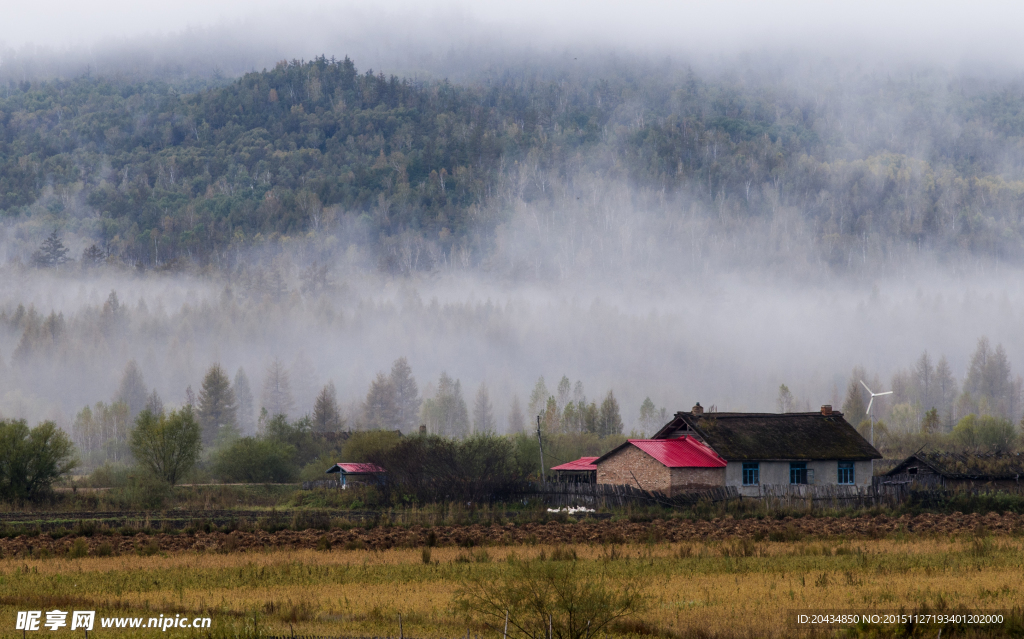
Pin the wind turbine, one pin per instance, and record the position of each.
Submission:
(870, 402)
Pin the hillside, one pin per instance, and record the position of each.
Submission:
(861, 165)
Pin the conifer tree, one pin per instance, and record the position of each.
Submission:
(246, 405)
(277, 392)
(407, 399)
(326, 416)
(380, 410)
(610, 421)
(538, 399)
(217, 407)
(132, 390)
(483, 413)
(516, 419)
(51, 253)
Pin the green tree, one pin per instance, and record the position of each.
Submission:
(31, 460)
(985, 433)
(277, 390)
(246, 403)
(931, 422)
(326, 416)
(407, 397)
(483, 412)
(446, 413)
(51, 253)
(132, 390)
(648, 416)
(538, 400)
(516, 419)
(92, 256)
(785, 401)
(564, 392)
(855, 408)
(609, 421)
(217, 406)
(380, 411)
(552, 420)
(168, 445)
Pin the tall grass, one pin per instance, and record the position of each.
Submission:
(727, 588)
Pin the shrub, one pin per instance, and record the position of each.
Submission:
(254, 460)
(534, 594)
(78, 549)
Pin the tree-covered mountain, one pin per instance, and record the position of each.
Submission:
(861, 163)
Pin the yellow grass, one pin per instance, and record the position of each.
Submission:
(717, 587)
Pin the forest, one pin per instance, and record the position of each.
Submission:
(827, 174)
(295, 241)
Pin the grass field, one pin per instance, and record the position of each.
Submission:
(725, 588)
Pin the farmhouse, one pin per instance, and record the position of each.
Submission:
(669, 466)
(581, 470)
(777, 448)
(961, 469)
(357, 473)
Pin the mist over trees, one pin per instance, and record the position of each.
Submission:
(523, 172)
(308, 224)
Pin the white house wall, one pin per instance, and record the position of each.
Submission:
(777, 472)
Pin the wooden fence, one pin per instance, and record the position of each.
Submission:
(561, 494)
(889, 491)
(321, 483)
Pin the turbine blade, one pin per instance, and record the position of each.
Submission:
(885, 393)
(868, 411)
(865, 386)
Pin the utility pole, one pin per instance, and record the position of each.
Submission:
(541, 444)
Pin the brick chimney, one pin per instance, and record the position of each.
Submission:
(698, 409)
(826, 409)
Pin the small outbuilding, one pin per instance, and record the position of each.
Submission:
(357, 473)
(1002, 470)
(669, 466)
(579, 471)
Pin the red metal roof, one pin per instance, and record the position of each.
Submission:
(685, 452)
(356, 469)
(583, 463)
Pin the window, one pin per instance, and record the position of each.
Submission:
(751, 474)
(846, 472)
(798, 472)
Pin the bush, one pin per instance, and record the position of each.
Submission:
(534, 594)
(78, 549)
(32, 460)
(433, 469)
(985, 433)
(254, 460)
(108, 476)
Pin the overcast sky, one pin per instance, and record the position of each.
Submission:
(950, 32)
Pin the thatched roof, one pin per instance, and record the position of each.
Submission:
(981, 466)
(774, 436)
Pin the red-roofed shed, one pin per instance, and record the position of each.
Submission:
(356, 473)
(669, 466)
(580, 470)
